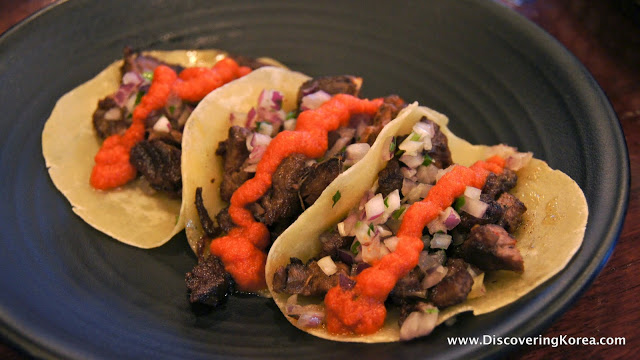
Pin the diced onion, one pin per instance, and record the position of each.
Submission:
(473, 207)
(427, 174)
(412, 161)
(434, 276)
(314, 100)
(408, 173)
(290, 124)
(266, 129)
(391, 243)
(450, 217)
(442, 172)
(517, 161)
(355, 152)
(374, 250)
(113, 114)
(162, 125)
(472, 192)
(374, 207)
(418, 323)
(424, 129)
(440, 241)
(327, 265)
(257, 139)
(411, 147)
(393, 202)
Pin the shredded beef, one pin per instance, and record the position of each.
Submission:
(439, 152)
(107, 127)
(234, 152)
(340, 84)
(208, 283)
(388, 111)
(390, 178)
(513, 209)
(455, 286)
(498, 184)
(319, 177)
(306, 279)
(159, 163)
(281, 202)
(490, 247)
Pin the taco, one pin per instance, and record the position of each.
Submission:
(256, 154)
(427, 226)
(144, 210)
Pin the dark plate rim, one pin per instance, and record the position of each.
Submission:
(44, 348)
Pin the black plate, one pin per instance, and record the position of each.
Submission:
(69, 291)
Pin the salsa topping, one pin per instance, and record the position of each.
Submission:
(112, 166)
(242, 249)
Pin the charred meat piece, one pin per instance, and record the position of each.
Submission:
(490, 247)
(234, 152)
(513, 209)
(439, 152)
(208, 283)
(319, 177)
(455, 286)
(306, 279)
(340, 84)
(248, 61)
(136, 62)
(390, 178)
(410, 284)
(332, 241)
(224, 220)
(388, 111)
(208, 226)
(281, 202)
(497, 184)
(159, 163)
(109, 119)
(491, 216)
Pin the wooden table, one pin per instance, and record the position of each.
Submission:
(608, 43)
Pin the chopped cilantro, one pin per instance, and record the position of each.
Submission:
(370, 229)
(458, 203)
(392, 146)
(427, 160)
(171, 109)
(386, 202)
(354, 247)
(336, 197)
(139, 97)
(290, 115)
(431, 311)
(415, 137)
(258, 124)
(148, 75)
(344, 148)
(130, 116)
(396, 214)
(399, 153)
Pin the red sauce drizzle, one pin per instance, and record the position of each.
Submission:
(112, 167)
(242, 250)
(361, 309)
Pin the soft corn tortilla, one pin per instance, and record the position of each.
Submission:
(209, 124)
(552, 230)
(69, 144)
